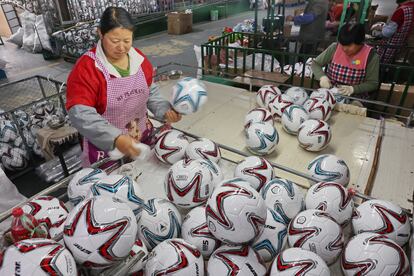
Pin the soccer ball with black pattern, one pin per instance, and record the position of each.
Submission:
(23, 118)
(175, 257)
(14, 159)
(100, 231)
(37, 257)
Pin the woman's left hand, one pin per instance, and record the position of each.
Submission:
(172, 116)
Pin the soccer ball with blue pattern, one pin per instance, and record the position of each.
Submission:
(81, 183)
(328, 167)
(293, 117)
(160, 220)
(298, 95)
(8, 131)
(273, 238)
(261, 138)
(188, 95)
(23, 119)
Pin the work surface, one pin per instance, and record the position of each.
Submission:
(354, 139)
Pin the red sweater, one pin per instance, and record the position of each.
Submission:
(86, 84)
(398, 15)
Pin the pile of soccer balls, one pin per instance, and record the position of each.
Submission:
(300, 114)
(14, 150)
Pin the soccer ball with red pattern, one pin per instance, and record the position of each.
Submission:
(48, 210)
(138, 248)
(188, 183)
(236, 260)
(266, 94)
(279, 104)
(256, 115)
(203, 148)
(37, 257)
(318, 109)
(175, 257)
(298, 261)
(325, 94)
(314, 135)
(255, 170)
(316, 231)
(372, 254)
(170, 146)
(100, 231)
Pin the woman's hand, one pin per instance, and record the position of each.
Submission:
(125, 144)
(172, 116)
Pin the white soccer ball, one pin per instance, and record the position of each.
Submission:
(255, 170)
(81, 183)
(298, 261)
(121, 187)
(318, 109)
(37, 257)
(23, 119)
(100, 231)
(382, 217)
(170, 146)
(257, 115)
(14, 159)
(8, 131)
(283, 197)
(175, 257)
(195, 231)
(234, 180)
(235, 213)
(372, 254)
(236, 260)
(203, 148)
(188, 96)
(138, 248)
(326, 94)
(188, 183)
(376, 29)
(48, 210)
(30, 140)
(261, 138)
(318, 232)
(329, 168)
(314, 135)
(266, 94)
(279, 104)
(160, 220)
(293, 117)
(216, 172)
(273, 238)
(332, 198)
(298, 95)
(338, 96)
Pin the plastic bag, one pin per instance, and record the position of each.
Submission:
(42, 39)
(17, 37)
(28, 22)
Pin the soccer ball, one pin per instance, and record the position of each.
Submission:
(316, 231)
(8, 131)
(203, 148)
(293, 117)
(257, 115)
(314, 135)
(188, 183)
(255, 170)
(235, 260)
(279, 104)
(332, 198)
(372, 254)
(122, 187)
(159, 221)
(48, 210)
(170, 146)
(23, 119)
(298, 261)
(329, 168)
(216, 173)
(195, 231)
(266, 94)
(14, 159)
(100, 231)
(188, 95)
(37, 257)
(235, 213)
(376, 29)
(138, 248)
(318, 109)
(175, 257)
(261, 138)
(30, 140)
(338, 96)
(325, 94)
(236, 181)
(273, 238)
(283, 197)
(81, 183)
(382, 217)
(298, 95)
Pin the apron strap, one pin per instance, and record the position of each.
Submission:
(100, 64)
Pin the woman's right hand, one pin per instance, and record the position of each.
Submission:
(125, 144)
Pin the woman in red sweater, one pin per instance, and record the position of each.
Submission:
(110, 89)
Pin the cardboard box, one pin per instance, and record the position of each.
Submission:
(397, 93)
(180, 23)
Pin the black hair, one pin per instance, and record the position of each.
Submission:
(115, 17)
(351, 33)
